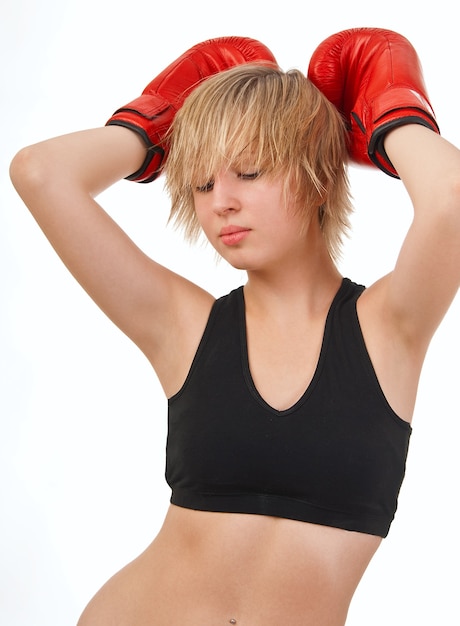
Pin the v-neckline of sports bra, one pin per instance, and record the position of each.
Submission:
(245, 356)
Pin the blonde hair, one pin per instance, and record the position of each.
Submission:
(273, 121)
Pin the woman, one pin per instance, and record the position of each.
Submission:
(290, 399)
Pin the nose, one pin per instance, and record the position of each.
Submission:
(224, 195)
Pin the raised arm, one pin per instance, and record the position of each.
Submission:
(374, 77)
(58, 180)
(426, 277)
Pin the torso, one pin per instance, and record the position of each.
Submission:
(214, 569)
(205, 569)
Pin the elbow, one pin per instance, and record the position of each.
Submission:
(440, 205)
(449, 217)
(33, 176)
(26, 170)
(452, 205)
(17, 168)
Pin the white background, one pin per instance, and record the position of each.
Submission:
(83, 420)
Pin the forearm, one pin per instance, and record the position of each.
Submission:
(88, 161)
(429, 167)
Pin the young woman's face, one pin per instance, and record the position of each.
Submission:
(248, 219)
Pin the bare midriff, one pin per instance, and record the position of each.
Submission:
(215, 569)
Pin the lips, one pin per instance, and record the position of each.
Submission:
(232, 235)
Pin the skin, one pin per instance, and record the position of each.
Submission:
(206, 568)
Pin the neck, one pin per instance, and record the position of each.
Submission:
(309, 280)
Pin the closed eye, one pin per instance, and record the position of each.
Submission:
(209, 186)
(249, 175)
(206, 187)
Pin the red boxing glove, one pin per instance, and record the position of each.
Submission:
(374, 77)
(151, 114)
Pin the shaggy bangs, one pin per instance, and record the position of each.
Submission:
(230, 121)
(259, 118)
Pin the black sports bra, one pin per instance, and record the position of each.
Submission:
(337, 457)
